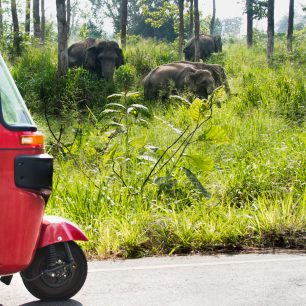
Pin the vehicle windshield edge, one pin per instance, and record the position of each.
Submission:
(13, 111)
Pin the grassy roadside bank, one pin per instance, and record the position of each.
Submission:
(244, 186)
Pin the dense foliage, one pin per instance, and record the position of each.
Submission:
(180, 176)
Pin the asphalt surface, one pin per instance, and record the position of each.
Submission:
(246, 279)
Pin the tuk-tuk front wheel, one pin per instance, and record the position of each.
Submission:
(53, 275)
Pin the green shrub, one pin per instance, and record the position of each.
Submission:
(148, 54)
(37, 78)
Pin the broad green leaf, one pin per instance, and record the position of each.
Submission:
(196, 183)
(118, 105)
(116, 95)
(139, 108)
(180, 98)
(200, 162)
(138, 142)
(110, 112)
(110, 154)
(215, 134)
(135, 94)
(161, 152)
(113, 123)
(195, 109)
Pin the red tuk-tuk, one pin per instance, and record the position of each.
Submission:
(42, 248)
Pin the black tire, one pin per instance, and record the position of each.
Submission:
(62, 288)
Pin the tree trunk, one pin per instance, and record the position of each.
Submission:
(27, 24)
(290, 26)
(62, 29)
(68, 18)
(249, 10)
(36, 19)
(1, 20)
(196, 31)
(124, 4)
(17, 49)
(270, 31)
(191, 23)
(213, 18)
(181, 28)
(43, 21)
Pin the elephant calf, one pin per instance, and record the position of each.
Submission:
(168, 78)
(216, 70)
(96, 55)
(208, 44)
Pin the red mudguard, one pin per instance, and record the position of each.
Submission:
(56, 229)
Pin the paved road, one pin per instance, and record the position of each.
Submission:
(253, 279)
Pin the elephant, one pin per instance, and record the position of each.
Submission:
(207, 45)
(96, 55)
(169, 78)
(216, 70)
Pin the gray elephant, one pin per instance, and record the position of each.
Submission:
(208, 44)
(173, 77)
(216, 70)
(96, 55)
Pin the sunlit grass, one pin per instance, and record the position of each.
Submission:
(256, 174)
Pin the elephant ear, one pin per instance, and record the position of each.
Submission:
(120, 59)
(200, 77)
(189, 74)
(91, 57)
(196, 77)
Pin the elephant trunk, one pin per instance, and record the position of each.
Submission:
(107, 69)
(210, 89)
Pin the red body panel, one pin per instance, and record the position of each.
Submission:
(21, 211)
(57, 229)
(23, 227)
(11, 139)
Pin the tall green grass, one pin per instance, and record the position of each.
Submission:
(250, 156)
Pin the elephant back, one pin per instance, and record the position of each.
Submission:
(207, 45)
(77, 52)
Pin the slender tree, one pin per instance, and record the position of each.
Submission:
(249, 12)
(68, 12)
(62, 29)
(36, 19)
(27, 23)
(255, 9)
(213, 18)
(270, 31)
(16, 40)
(1, 20)
(124, 5)
(196, 31)
(290, 26)
(191, 23)
(43, 21)
(181, 27)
